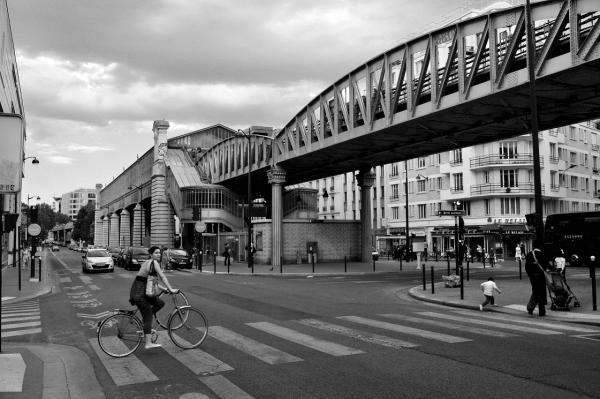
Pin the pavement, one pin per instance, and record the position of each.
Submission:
(59, 371)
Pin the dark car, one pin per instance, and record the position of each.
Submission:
(178, 258)
(134, 257)
(117, 255)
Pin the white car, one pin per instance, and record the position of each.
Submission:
(97, 260)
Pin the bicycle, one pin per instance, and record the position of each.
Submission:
(121, 333)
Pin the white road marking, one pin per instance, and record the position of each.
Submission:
(126, 370)
(358, 334)
(475, 330)
(65, 279)
(320, 345)
(490, 323)
(263, 352)
(404, 329)
(18, 333)
(224, 388)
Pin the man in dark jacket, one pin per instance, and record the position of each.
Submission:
(534, 262)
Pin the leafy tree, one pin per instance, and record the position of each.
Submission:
(83, 227)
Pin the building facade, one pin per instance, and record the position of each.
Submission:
(70, 203)
(10, 104)
(492, 183)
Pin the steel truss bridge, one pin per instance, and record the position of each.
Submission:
(457, 86)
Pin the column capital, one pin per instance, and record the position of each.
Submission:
(366, 178)
(276, 175)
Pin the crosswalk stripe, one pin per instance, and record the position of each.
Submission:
(13, 372)
(126, 370)
(94, 287)
(21, 325)
(16, 314)
(404, 329)
(22, 318)
(18, 333)
(552, 326)
(309, 341)
(358, 334)
(491, 323)
(107, 276)
(65, 279)
(475, 330)
(263, 352)
(198, 361)
(224, 388)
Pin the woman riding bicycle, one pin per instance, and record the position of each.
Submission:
(137, 296)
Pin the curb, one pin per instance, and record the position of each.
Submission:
(45, 291)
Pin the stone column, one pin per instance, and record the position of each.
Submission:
(276, 176)
(161, 216)
(365, 179)
(125, 229)
(98, 217)
(105, 227)
(138, 225)
(113, 235)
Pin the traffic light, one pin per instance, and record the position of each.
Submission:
(34, 214)
(10, 221)
(461, 226)
(196, 212)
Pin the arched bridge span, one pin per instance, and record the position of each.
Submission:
(457, 86)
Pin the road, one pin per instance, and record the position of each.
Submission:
(352, 336)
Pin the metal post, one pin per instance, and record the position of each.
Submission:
(539, 216)
(483, 257)
(1, 230)
(593, 276)
(313, 263)
(456, 244)
(462, 284)
(448, 262)
(345, 265)
(281, 265)
(520, 272)
(200, 260)
(400, 262)
(432, 280)
(215, 262)
(33, 250)
(373, 263)
(250, 254)
(467, 269)
(424, 279)
(40, 269)
(406, 211)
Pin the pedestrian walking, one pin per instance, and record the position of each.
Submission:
(535, 266)
(518, 255)
(488, 289)
(227, 255)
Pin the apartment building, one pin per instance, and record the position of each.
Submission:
(70, 203)
(491, 183)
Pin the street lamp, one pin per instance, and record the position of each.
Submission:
(456, 244)
(248, 136)
(406, 211)
(131, 187)
(34, 161)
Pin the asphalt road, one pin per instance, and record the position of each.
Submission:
(323, 337)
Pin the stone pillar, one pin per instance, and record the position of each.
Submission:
(98, 217)
(124, 229)
(161, 215)
(113, 237)
(138, 225)
(366, 179)
(276, 176)
(105, 227)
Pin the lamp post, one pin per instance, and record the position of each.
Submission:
(131, 187)
(456, 244)
(406, 211)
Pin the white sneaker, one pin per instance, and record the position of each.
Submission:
(153, 346)
(480, 308)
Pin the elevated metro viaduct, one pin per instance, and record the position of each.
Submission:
(457, 86)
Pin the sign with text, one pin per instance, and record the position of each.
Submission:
(452, 212)
(11, 153)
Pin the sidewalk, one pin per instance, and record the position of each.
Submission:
(29, 287)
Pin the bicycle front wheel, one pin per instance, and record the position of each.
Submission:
(120, 335)
(187, 327)
(172, 302)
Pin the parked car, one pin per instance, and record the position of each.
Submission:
(55, 248)
(97, 260)
(134, 257)
(117, 255)
(178, 258)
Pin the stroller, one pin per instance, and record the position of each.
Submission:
(560, 292)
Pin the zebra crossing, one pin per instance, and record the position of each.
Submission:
(22, 318)
(277, 343)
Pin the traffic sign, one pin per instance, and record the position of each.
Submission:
(34, 229)
(200, 226)
(452, 212)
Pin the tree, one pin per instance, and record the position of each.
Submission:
(83, 227)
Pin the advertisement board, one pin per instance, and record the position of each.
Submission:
(11, 153)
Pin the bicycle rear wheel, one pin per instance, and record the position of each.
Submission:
(120, 334)
(173, 302)
(187, 327)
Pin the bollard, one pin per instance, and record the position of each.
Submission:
(436, 256)
(593, 277)
(345, 265)
(483, 258)
(400, 262)
(432, 280)
(424, 280)
(448, 261)
(467, 270)
(520, 272)
(313, 263)
(462, 285)
(373, 264)
(228, 265)
(281, 266)
(40, 269)
(200, 256)
(214, 264)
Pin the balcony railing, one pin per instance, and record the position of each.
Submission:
(497, 159)
(491, 188)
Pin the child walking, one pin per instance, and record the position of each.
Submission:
(488, 289)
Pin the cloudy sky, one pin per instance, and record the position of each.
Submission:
(95, 74)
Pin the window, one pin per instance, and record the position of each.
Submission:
(574, 183)
(382, 190)
(486, 177)
(422, 211)
(394, 191)
(508, 178)
(457, 180)
(394, 169)
(508, 150)
(421, 162)
(510, 206)
(395, 213)
(457, 156)
(421, 185)
(573, 158)
(488, 206)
